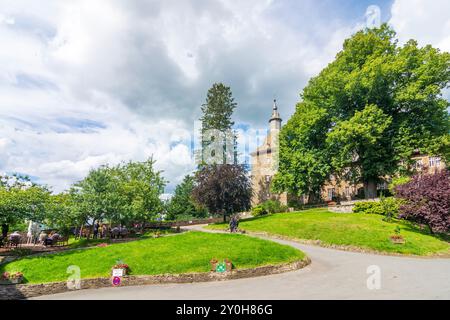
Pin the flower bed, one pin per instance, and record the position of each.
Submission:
(11, 278)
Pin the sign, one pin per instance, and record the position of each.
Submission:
(117, 273)
(116, 281)
(221, 267)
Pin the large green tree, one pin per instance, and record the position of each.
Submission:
(141, 187)
(128, 192)
(218, 138)
(366, 114)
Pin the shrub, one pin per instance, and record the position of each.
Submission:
(259, 211)
(269, 206)
(398, 181)
(368, 207)
(274, 206)
(427, 200)
(388, 207)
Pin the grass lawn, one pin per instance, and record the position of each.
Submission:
(348, 229)
(187, 252)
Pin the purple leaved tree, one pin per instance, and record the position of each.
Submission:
(427, 200)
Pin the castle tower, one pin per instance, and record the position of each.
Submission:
(265, 160)
(275, 120)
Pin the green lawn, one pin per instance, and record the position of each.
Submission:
(187, 252)
(348, 229)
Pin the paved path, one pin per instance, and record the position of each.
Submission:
(333, 274)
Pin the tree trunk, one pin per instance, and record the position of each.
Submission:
(370, 189)
(313, 197)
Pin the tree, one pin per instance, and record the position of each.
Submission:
(97, 196)
(223, 189)
(366, 113)
(141, 187)
(218, 138)
(61, 213)
(20, 200)
(427, 200)
(303, 163)
(182, 203)
(128, 192)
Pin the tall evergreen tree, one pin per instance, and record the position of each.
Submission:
(218, 138)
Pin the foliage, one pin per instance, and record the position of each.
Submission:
(174, 255)
(141, 187)
(386, 206)
(365, 114)
(61, 213)
(128, 192)
(216, 133)
(259, 210)
(303, 164)
(427, 200)
(223, 189)
(269, 206)
(21, 200)
(181, 205)
(365, 231)
(398, 181)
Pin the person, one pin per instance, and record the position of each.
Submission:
(96, 227)
(14, 238)
(5, 229)
(104, 231)
(42, 237)
(233, 224)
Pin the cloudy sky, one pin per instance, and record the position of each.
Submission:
(85, 83)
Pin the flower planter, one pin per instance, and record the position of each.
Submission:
(213, 263)
(229, 265)
(397, 240)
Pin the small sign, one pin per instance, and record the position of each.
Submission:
(221, 267)
(116, 281)
(117, 273)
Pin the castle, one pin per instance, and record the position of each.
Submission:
(265, 164)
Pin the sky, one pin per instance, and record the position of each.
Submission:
(86, 83)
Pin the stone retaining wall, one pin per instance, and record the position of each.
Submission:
(347, 206)
(23, 291)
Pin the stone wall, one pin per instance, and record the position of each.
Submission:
(23, 291)
(347, 206)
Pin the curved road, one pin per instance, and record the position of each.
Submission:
(333, 274)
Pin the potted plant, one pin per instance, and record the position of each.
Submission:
(397, 238)
(228, 264)
(120, 269)
(213, 263)
(12, 277)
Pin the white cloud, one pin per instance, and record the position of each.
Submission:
(426, 21)
(85, 83)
